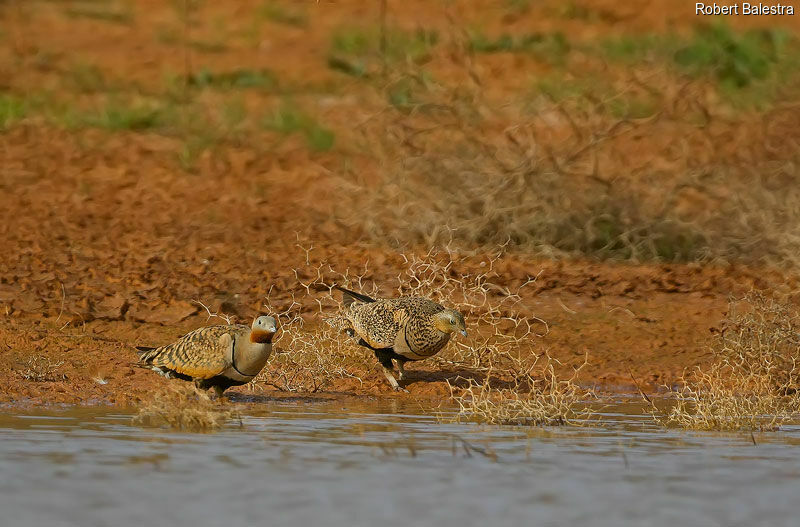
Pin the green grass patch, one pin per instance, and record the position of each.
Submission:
(518, 7)
(118, 114)
(735, 59)
(551, 47)
(282, 15)
(406, 92)
(575, 11)
(240, 78)
(12, 109)
(748, 67)
(288, 119)
(636, 48)
(115, 13)
(357, 51)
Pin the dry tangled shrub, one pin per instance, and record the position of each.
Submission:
(497, 376)
(566, 176)
(532, 395)
(753, 384)
(182, 407)
(762, 339)
(502, 379)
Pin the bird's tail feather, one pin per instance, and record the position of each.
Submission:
(141, 350)
(348, 297)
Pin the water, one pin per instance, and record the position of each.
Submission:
(321, 464)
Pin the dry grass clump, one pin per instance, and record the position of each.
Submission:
(533, 395)
(753, 384)
(42, 369)
(182, 407)
(725, 398)
(762, 339)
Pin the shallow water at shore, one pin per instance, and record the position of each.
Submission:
(384, 463)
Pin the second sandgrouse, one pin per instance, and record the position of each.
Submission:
(400, 329)
(214, 356)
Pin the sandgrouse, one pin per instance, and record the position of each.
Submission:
(214, 356)
(404, 329)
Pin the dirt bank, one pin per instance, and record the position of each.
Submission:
(121, 208)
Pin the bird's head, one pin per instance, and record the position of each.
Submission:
(263, 329)
(450, 320)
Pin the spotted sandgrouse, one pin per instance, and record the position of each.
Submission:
(404, 329)
(214, 356)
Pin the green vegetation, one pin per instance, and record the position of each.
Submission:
(357, 52)
(518, 7)
(735, 59)
(287, 119)
(116, 12)
(575, 11)
(270, 10)
(118, 114)
(12, 109)
(239, 78)
(622, 232)
(406, 92)
(551, 47)
(636, 48)
(748, 66)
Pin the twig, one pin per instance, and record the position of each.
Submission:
(641, 392)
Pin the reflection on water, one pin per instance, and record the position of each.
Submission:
(323, 464)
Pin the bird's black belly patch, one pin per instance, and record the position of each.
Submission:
(219, 380)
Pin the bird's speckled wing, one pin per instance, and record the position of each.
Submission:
(200, 354)
(375, 322)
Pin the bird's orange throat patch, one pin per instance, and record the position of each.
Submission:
(261, 336)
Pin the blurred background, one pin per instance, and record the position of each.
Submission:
(146, 143)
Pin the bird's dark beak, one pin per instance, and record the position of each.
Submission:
(464, 332)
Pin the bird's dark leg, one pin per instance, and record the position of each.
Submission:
(384, 356)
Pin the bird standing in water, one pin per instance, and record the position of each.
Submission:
(400, 329)
(214, 356)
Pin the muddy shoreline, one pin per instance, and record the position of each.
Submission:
(624, 322)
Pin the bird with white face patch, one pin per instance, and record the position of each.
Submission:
(400, 329)
(215, 357)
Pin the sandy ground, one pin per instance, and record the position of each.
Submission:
(106, 243)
